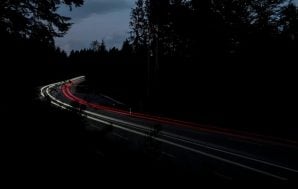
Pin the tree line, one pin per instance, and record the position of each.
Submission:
(27, 32)
(200, 60)
(223, 28)
(208, 60)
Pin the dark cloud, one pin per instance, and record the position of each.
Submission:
(98, 20)
(98, 7)
(112, 27)
(106, 20)
(116, 39)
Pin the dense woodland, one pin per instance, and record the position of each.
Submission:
(229, 62)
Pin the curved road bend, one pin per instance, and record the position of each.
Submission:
(255, 156)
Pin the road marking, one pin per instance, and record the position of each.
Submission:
(41, 91)
(188, 148)
(192, 150)
(59, 105)
(169, 135)
(111, 99)
(159, 139)
(221, 159)
(201, 145)
(121, 121)
(231, 153)
(67, 92)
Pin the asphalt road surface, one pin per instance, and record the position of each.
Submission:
(229, 154)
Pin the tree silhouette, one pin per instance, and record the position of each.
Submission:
(95, 45)
(201, 42)
(140, 27)
(126, 48)
(102, 47)
(289, 24)
(201, 28)
(37, 20)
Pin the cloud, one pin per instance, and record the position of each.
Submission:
(68, 44)
(98, 7)
(111, 27)
(115, 39)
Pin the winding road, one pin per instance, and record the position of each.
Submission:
(231, 154)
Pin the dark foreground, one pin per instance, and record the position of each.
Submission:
(48, 144)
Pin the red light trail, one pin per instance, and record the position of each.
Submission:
(66, 90)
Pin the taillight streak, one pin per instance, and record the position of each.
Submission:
(68, 94)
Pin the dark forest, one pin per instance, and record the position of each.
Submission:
(229, 63)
